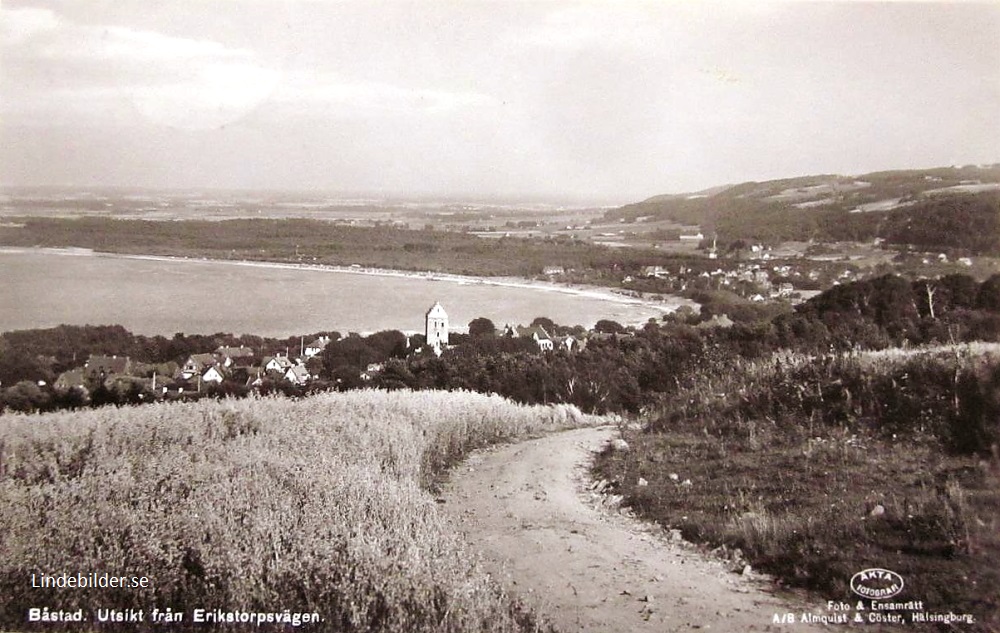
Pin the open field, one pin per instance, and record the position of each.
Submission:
(318, 506)
(814, 469)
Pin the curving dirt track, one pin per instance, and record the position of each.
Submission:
(586, 568)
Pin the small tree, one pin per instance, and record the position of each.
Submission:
(482, 327)
(544, 322)
(989, 294)
(25, 396)
(607, 326)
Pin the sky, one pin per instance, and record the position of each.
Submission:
(602, 101)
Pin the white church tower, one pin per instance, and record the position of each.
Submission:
(436, 326)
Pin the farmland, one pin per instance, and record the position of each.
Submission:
(316, 506)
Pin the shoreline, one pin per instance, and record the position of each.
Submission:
(672, 303)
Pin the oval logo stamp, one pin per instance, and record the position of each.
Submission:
(876, 583)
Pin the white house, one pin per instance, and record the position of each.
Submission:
(277, 363)
(229, 356)
(316, 346)
(538, 334)
(297, 374)
(213, 374)
(198, 363)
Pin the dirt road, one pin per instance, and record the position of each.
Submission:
(586, 568)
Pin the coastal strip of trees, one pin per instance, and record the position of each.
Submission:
(327, 243)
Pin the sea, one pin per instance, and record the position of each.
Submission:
(42, 288)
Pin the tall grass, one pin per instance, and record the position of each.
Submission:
(815, 467)
(948, 394)
(317, 505)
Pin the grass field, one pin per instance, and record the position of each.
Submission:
(815, 468)
(320, 505)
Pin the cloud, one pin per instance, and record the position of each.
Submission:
(56, 69)
(584, 26)
(113, 72)
(20, 25)
(309, 91)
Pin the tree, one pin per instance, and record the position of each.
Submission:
(960, 291)
(25, 396)
(544, 322)
(892, 301)
(607, 326)
(989, 294)
(481, 327)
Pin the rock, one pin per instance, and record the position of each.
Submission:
(674, 476)
(746, 570)
(877, 511)
(642, 483)
(675, 535)
(646, 598)
(686, 482)
(619, 445)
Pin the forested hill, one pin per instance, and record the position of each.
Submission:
(953, 208)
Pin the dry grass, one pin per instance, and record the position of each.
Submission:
(817, 467)
(315, 505)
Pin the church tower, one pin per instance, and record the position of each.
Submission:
(436, 326)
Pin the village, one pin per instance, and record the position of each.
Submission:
(243, 368)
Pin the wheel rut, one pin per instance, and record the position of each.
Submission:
(528, 509)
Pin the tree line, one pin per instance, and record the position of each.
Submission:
(619, 369)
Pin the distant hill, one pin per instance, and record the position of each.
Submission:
(831, 207)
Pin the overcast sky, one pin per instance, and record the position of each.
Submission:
(592, 100)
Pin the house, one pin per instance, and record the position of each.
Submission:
(196, 364)
(215, 373)
(717, 320)
(277, 363)
(538, 334)
(254, 376)
(103, 366)
(316, 346)
(298, 375)
(785, 290)
(229, 356)
(569, 343)
(72, 379)
(654, 271)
